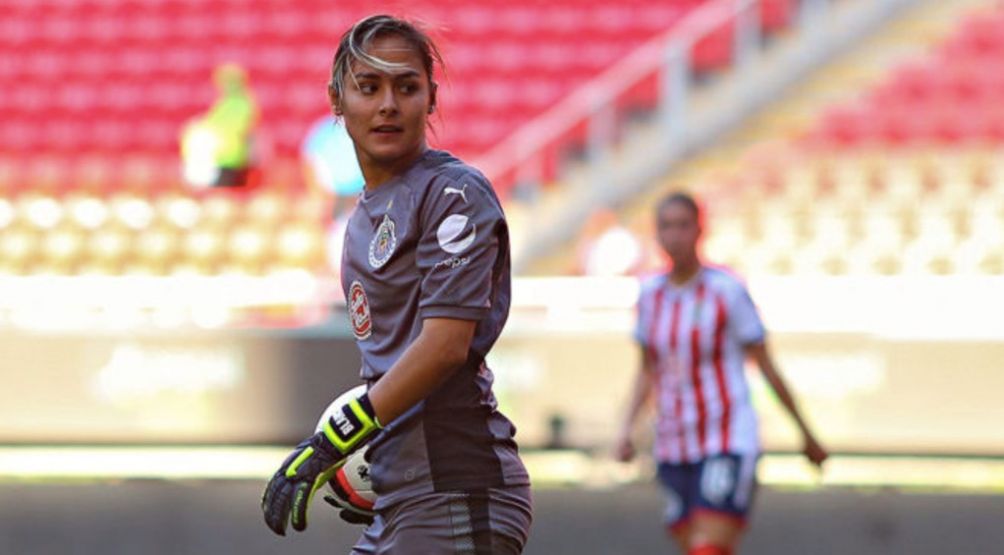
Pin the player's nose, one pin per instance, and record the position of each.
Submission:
(388, 101)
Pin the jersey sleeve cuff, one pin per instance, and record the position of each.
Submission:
(457, 312)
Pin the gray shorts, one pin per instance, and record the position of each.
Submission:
(485, 522)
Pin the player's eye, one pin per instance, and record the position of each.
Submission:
(367, 88)
(408, 88)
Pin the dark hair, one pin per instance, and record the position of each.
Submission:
(352, 47)
(679, 197)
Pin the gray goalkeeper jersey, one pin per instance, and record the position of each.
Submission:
(433, 243)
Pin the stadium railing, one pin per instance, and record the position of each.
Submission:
(693, 109)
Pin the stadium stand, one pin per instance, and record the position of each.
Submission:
(953, 95)
(96, 92)
(904, 178)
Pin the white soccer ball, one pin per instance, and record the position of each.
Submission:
(351, 483)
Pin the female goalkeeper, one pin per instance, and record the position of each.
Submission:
(426, 275)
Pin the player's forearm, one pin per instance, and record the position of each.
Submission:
(784, 395)
(438, 351)
(777, 383)
(787, 401)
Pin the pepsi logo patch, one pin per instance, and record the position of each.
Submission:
(455, 235)
(359, 311)
(383, 243)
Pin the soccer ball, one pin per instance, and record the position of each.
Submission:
(351, 483)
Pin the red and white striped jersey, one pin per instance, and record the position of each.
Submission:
(695, 334)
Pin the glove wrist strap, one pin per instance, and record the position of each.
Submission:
(353, 425)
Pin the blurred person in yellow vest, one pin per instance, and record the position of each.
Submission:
(217, 147)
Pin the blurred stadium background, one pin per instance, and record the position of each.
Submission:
(164, 343)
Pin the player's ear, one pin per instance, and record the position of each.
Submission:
(433, 87)
(334, 100)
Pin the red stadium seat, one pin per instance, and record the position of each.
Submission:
(776, 14)
(715, 50)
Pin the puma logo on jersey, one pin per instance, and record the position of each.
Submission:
(462, 191)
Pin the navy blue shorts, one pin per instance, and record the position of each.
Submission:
(721, 484)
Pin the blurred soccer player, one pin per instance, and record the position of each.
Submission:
(696, 326)
(426, 273)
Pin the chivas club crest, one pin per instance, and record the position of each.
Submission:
(383, 243)
(359, 311)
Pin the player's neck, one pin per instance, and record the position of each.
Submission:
(376, 174)
(684, 270)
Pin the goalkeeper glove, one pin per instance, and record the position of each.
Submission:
(314, 462)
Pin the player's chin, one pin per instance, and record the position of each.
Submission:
(386, 150)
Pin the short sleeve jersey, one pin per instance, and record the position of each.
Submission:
(432, 242)
(695, 335)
